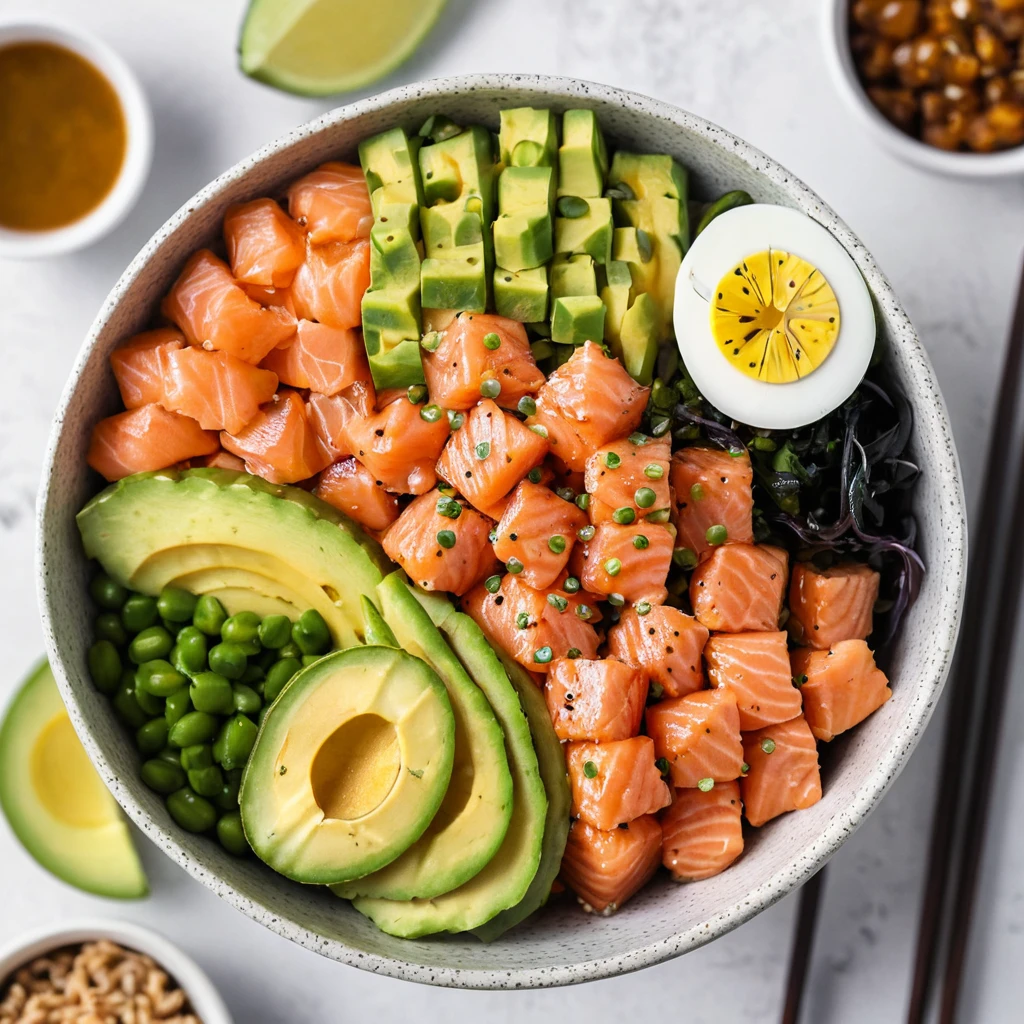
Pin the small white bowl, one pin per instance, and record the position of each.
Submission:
(1005, 163)
(205, 999)
(34, 28)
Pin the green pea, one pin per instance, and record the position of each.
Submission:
(514, 566)
(209, 615)
(139, 613)
(152, 643)
(571, 585)
(191, 811)
(231, 834)
(199, 755)
(207, 781)
(211, 693)
(311, 633)
(556, 544)
(492, 341)
(109, 627)
(104, 666)
(151, 737)
(227, 798)
(446, 538)
(528, 407)
(583, 501)
(235, 742)
(126, 706)
(192, 728)
(716, 534)
(645, 497)
(266, 658)
(253, 676)
(613, 566)
(107, 594)
(151, 704)
(242, 629)
(177, 706)
(159, 678)
(246, 699)
(640, 542)
(192, 647)
(176, 605)
(623, 516)
(490, 388)
(278, 677)
(290, 650)
(586, 533)
(275, 631)
(228, 659)
(162, 776)
(492, 584)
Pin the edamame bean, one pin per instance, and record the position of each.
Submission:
(265, 659)
(109, 627)
(159, 678)
(234, 742)
(243, 629)
(290, 650)
(139, 613)
(151, 737)
(152, 643)
(191, 811)
(105, 666)
(191, 650)
(176, 605)
(193, 727)
(126, 706)
(170, 755)
(310, 632)
(275, 631)
(177, 706)
(231, 835)
(247, 701)
(227, 799)
(149, 703)
(162, 776)
(211, 693)
(278, 677)
(228, 659)
(310, 659)
(199, 755)
(209, 615)
(253, 676)
(722, 204)
(206, 781)
(107, 594)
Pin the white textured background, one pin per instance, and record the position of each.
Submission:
(952, 250)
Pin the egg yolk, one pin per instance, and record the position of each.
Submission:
(775, 317)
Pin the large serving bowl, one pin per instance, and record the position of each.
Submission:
(560, 945)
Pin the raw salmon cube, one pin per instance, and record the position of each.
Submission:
(699, 736)
(213, 311)
(739, 588)
(595, 700)
(329, 414)
(271, 296)
(702, 832)
(605, 869)
(755, 666)
(140, 365)
(462, 362)
(220, 460)
(350, 487)
(629, 474)
(615, 782)
(840, 686)
(829, 605)
(332, 203)
(712, 488)
(324, 359)
(489, 454)
(145, 439)
(537, 529)
(438, 552)
(329, 285)
(629, 560)
(782, 770)
(265, 246)
(666, 643)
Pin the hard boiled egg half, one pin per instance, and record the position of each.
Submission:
(774, 321)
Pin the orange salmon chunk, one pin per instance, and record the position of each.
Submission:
(438, 552)
(829, 605)
(330, 284)
(213, 311)
(666, 643)
(463, 360)
(711, 488)
(537, 529)
(332, 203)
(615, 782)
(840, 686)
(265, 246)
(605, 869)
(489, 454)
(783, 770)
(699, 736)
(350, 487)
(629, 560)
(702, 833)
(330, 414)
(629, 474)
(140, 365)
(755, 667)
(146, 439)
(220, 460)
(595, 700)
(321, 358)
(739, 588)
(271, 296)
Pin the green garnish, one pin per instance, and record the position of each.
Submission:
(557, 601)
(586, 533)
(717, 534)
(539, 430)
(684, 558)
(455, 419)
(556, 544)
(659, 515)
(643, 608)
(640, 542)
(534, 476)
(446, 538)
(566, 493)
(448, 507)
(623, 516)
(612, 460)
(571, 585)
(705, 785)
(637, 438)
(799, 680)
(431, 413)
(490, 388)
(542, 655)
(483, 449)
(417, 394)
(645, 497)
(492, 584)
(573, 652)
(514, 566)
(768, 745)
(583, 502)
(430, 341)
(613, 566)
(522, 620)
(654, 471)
(590, 769)
(583, 612)
(616, 600)
(527, 406)
(492, 341)
(697, 492)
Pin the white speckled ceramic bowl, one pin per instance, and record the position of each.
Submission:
(560, 946)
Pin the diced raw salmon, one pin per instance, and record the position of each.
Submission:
(702, 832)
(666, 643)
(595, 700)
(279, 444)
(738, 588)
(221, 460)
(214, 388)
(329, 285)
(212, 310)
(324, 359)
(330, 413)
(605, 869)
(829, 605)
(144, 439)
(350, 487)
(699, 736)
(271, 296)
(615, 782)
(413, 543)
(840, 686)
(633, 470)
(587, 402)
(397, 445)
(332, 203)
(140, 365)
(755, 666)
(461, 362)
(783, 770)
(538, 529)
(712, 488)
(489, 454)
(619, 562)
(265, 246)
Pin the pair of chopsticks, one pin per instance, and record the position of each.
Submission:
(980, 680)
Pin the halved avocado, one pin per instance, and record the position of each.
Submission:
(350, 765)
(55, 801)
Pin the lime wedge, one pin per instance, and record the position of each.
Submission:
(320, 47)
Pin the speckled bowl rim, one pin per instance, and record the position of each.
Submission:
(876, 781)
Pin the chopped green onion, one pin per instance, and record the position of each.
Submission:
(431, 413)
(539, 430)
(534, 476)
(660, 426)
(492, 584)
(527, 406)
(483, 449)
(662, 765)
(492, 341)
(744, 768)
(583, 612)
(657, 690)
(492, 537)
(705, 785)
(637, 438)
(717, 534)
(490, 388)
(653, 471)
(768, 745)
(455, 419)
(556, 543)
(612, 460)
(735, 453)
(573, 652)
(623, 516)
(417, 394)
(571, 585)
(613, 566)
(430, 341)
(640, 542)
(522, 620)
(514, 566)
(644, 245)
(697, 492)
(590, 769)
(542, 655)
(684, 558)
(659, 515)
(764, 444)
(645, 497)
(573, 207)
(448, 507)
(583, 501)
(586, 533)
(799, 680)
(557, 601)
(616, 600)
(565, 493)
(446, 538)
(643, 607)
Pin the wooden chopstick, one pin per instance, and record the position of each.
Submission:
(803, 945)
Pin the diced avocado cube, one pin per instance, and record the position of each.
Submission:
(626, 248)
(390, 161)
(537, 128)
(576, 319)
(394, 257)
(521, 294)
(616, 294)
(649, 175)
(449, 225)
(458, 168)
(573, 275)
(661, 216)
(525, 188)
(522, 240)
(590, 234)
(458, 280)
(638, 341)
(396, 367)
(582, 157)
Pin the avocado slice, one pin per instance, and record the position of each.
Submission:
(582, 157)
(577, 312)
(631, 326)
(256, 546)
(472, 821)
(55, 801)
(523, 231)
(590, 234)
(377, 632)
(538, 129)
(350, 765)
(521, 294)
(506, 879)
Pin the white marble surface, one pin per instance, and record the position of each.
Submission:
(952, 250)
